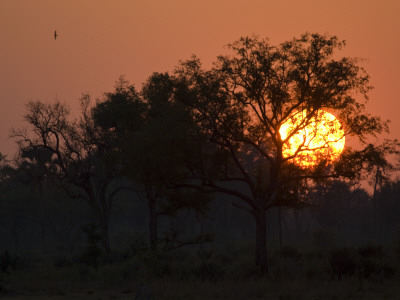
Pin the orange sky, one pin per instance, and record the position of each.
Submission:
(101, 39)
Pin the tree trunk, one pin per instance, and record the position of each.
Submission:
(102, 212)
(280, 225)
(261, 258)
(377, 179)
(105, 239)
(152, 222)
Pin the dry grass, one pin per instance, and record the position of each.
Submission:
(293, 276)
(245, 289)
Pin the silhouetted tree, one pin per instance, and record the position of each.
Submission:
(336, 204)
(75, 149)
(387, 208)
(9, 222)
(149, 138)
(241, 103)
(36, 165)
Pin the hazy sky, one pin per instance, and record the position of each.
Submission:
(101, 39)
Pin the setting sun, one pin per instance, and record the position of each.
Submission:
(322, 138)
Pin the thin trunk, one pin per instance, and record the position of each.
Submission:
(105, 240)
(42, 216)
(280, 225)
(15, 235)
(377, 179)
(102, 211)
(152, 222)
(298, 224)
(105, 212)
(261, 258)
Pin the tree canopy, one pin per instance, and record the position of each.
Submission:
(242, 102)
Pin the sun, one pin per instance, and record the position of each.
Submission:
(322, 138)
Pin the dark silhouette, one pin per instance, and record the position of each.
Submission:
(241, 104)
(55, 34)
(165, 167)
(148, 135)
(78, 152)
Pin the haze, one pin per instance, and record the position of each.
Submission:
(100, 40)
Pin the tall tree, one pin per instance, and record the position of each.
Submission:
(241, 103)
(75, 149)
(149, 138)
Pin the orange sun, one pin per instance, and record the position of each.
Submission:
(322, 138)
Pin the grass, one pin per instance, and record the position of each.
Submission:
(209, 274)
(227, 289)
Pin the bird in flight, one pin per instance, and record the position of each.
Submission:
(55, 34)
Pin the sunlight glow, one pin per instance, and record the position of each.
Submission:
(322, 138)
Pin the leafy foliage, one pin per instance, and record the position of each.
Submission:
(241, 103)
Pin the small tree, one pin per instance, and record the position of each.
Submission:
(242, 102)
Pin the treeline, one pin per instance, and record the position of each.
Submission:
(198, 153)
(40, 217)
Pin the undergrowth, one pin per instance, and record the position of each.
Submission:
(193, 268)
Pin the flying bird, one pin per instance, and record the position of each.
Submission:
(55, 34)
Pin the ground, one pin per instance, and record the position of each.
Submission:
(369, 272)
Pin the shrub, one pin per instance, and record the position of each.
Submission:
(138, 244)
(92, 250)
(8, 262)
(372, 266)
(389, 271)
(209, 271)
(371, 251)
(342, 262)
(369, 269)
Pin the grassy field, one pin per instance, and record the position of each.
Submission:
(369, 272)
(260, 289)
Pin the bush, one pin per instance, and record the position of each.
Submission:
(8, 262)
(372, 266)
(389, 271)
(342, 262)
(92, 252)
(209, 271)
(371, 251)
(369, 269)
(138, 244)
(289, 252)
